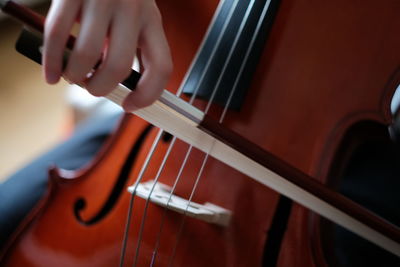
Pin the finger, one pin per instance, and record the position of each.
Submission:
(58, 26)
(121, 49)
(96, 16)
(157, 64)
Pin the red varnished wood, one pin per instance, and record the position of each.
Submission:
(301, 179)
(326, 66)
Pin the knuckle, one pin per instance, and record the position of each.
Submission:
(53, 32)
(154, 14)
(118, 70)
(168, 67)
(86, 56)
(130, 6)
(157, 14)
(103, 2)
(137, 3)
(149, 97)
(164, 68)
(146, 101)
(74, 77)
(96, 90)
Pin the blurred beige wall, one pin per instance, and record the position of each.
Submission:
(33, 115)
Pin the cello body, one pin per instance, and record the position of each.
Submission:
(326, 66)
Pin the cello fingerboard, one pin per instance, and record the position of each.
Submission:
(226, 61)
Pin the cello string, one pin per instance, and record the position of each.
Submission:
(246, 57)
(180, 90)
(214, 91)
(140, 178)
(226, 23)
(187, 206)
(229, 57)
(254, 37)
(154, 255)
(207, 109)
(150, 193)
(217, 44)
(126, 231)
(202, 45)
(131, 202)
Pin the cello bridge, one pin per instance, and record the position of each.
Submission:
(161, 195)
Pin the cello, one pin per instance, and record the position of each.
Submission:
(290, 109)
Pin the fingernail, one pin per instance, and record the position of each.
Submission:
(52, 78)
(128, 106)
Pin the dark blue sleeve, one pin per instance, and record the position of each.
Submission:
(21, 191)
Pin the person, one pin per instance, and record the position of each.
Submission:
(113, 30)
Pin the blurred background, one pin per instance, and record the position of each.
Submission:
(34, 116)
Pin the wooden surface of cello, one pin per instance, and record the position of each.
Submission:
(325, 66)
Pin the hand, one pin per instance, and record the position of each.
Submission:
(115, 28)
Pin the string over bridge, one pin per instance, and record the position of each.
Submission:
(161, 195)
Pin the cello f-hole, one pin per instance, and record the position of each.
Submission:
(119, 186)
